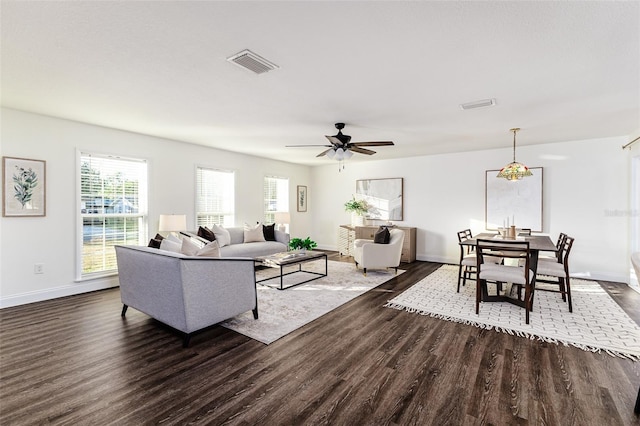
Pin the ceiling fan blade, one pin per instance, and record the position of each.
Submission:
(378, 143)
(361, 150)
(323, 153)
(302, 146)
(334, 140)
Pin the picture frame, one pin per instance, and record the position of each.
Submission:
(519, 202)
(23, 187)
(383, 196)
(301, 198)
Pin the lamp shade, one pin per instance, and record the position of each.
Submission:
(331, 154)
(282, 217)
(348, 154)
(339, 154)
(172, 222)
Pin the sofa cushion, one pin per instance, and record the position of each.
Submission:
(264, 248)
(189, 247)
(253, 234)
(269, 232)
(169, 245)
(206, 233)
(222, 235)
(382, 236)
(210, 250)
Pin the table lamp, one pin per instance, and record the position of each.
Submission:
(172, 223)
(282, 218)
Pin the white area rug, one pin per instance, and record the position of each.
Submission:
(283, 311)
(596, 324)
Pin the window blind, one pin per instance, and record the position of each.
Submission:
(215, 197)
(113, 209)
(276, 197)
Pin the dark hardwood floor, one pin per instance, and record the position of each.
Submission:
(75, 361)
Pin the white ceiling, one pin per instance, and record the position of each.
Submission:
(391, 70)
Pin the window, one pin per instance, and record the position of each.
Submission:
(276, 197)
(214, 197)
(113, 210)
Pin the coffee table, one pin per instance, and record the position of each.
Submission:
(285, 259)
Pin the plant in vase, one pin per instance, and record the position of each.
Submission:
(302, 245)
(358, 209)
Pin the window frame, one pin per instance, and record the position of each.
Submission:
(285, 199)
(142, 215)
(231, 214)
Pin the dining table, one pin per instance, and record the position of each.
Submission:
(537, 243)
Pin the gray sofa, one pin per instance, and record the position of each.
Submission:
(188, 293)
(238, 248)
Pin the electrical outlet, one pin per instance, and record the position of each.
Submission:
(38, 268)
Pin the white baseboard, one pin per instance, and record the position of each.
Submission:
(62, 291)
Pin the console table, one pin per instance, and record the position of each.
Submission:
(347, 234)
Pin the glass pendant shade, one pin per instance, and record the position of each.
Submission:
(514, 171)
(331, 154)
(339, 154)
(348, 154)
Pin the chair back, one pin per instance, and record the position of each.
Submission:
(505, 249)
(563, 255)
(525, 231)
(464, 235)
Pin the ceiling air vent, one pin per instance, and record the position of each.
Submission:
(252, 62)
(479, 104)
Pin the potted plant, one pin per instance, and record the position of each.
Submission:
(302, 245)
(358, 208)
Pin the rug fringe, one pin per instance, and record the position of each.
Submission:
(530, 336)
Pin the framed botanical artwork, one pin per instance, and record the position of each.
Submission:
(302, 198)
(23, 187)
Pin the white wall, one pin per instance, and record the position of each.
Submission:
(584, 181)
(51, 240)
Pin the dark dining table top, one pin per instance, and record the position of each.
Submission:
(536, 242)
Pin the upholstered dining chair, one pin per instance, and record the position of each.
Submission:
(370, 255)
(499, 274)
(557, 272)
(556, 256)
(467, 264)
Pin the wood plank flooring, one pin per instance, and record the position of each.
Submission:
(75, 361)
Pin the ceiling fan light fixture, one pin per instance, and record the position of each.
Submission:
(339, 154)
(514, 171)
(348, 154)
(331, 154)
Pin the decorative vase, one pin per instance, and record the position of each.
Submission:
(356, 219)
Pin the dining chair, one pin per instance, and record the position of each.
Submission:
(556, 256)
(557, 273)
(499, 274)
(467, 264)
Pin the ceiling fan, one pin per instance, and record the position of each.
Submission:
(342, 148)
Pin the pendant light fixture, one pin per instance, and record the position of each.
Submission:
(514, 171)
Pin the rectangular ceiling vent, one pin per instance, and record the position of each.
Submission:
(252, 62)
(479, 104)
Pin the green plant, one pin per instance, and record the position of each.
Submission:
(359, 207)
(299, 243)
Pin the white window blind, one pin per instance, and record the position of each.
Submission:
(113, 209)
(214, 197)
(276, 197)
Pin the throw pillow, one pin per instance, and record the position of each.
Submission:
(206, 233)
(253, 234)
(269, 232)
(382, 236)
(154, 243)
(169, 245)
(158, 237)
(222, 235)
(210, 250)
(174, 238)
(189, 247)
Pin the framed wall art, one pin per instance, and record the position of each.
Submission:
(384, 197)
(23, 187)
(519, 203)
(302, 198)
